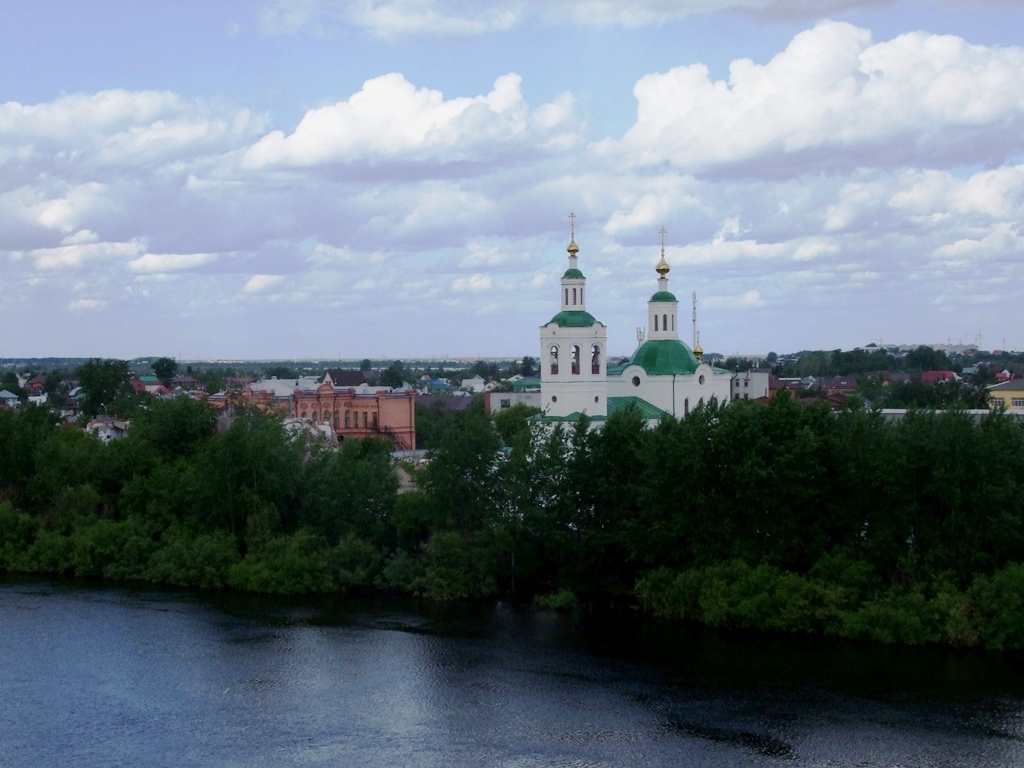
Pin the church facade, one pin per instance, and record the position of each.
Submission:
(662, 376)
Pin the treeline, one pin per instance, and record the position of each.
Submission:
(786, 517)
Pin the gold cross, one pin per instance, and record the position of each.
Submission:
(572, 226)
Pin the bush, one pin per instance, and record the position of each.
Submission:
(562, 600)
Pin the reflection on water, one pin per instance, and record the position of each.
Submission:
(107, 677)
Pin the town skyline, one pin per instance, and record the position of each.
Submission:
(300, 179)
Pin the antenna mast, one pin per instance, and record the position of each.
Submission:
(695, 337)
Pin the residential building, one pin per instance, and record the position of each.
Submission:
(1008, 396)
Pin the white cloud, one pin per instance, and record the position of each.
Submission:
(745, 300)
(120, 127)
(86, 305)
(721, 251)
(1002, 241)
(390, 120)
(474, 283)
(260, 283)
(462, 18)
(832, 99)
(169, 262)
(83, 254)
(65, 213)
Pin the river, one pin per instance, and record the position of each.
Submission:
(116, 677)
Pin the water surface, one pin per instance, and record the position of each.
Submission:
(114, 677)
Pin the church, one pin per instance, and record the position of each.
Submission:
(662, 376)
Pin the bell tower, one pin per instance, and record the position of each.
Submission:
(573, 357)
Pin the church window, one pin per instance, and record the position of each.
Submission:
(673, 322)
(595, 358)
(636, 381)
(655, 322)
(701, 380)
(686, 407)
(664, 322)
(576, 359)
(554, 358)
(581, 295)
(574, 297)
(567, 297)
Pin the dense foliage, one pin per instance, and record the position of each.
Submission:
(787, 517)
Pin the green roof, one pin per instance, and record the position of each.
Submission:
(664, 296)
(573, 273)
(615, 404)
(531, 383)
(574, 319)
(661, 357)
(648, 411)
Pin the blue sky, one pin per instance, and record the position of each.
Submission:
(389, 178)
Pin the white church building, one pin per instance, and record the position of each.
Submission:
(663, 376)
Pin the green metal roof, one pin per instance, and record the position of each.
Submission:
(648, 411)
(615, 404)
(574, 319)
(573, 273)
(531, 383)
(661, 357)
(664, 296)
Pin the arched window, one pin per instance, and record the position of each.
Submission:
(348, 419)
(655, 322)
(337, 419)
(581, 295)
(314, 415)
(664, 322)
(576, 359)
(567, 297)
(574, 297)
(686, 407)
(595, 358)
(303, 415)
(554, 358)
(673, 321)
(327, 417)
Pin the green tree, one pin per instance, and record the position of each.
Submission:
(165, 368)
(393, 376)
(104, 382)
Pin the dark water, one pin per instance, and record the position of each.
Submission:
(107, 677)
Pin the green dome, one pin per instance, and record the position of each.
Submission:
(575, 273)
(664, 296)
(574, 319)
(662, 357)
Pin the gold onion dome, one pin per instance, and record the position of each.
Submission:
(662, 268)
(573, 249)
(698, 352)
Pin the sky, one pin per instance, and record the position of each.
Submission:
(296, 179)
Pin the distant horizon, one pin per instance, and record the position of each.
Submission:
(469, 359)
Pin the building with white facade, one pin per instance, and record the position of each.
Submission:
(663, 376)
(573, 345)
